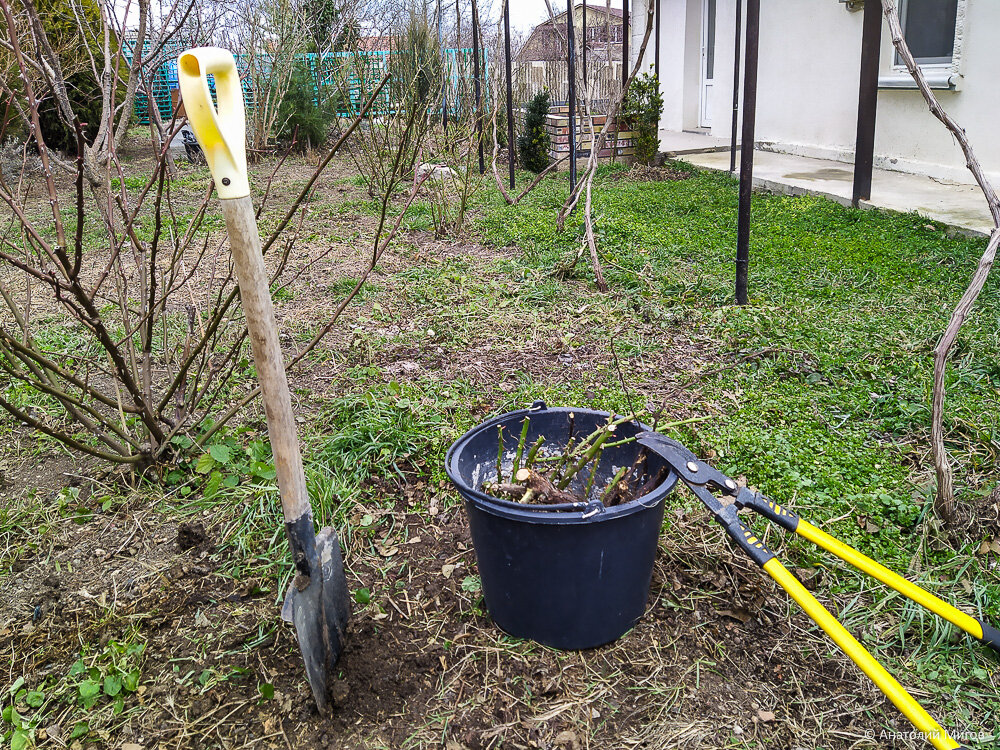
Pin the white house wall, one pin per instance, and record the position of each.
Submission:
(909, 134)
(807, 96)
(810, 63)
(725, 50)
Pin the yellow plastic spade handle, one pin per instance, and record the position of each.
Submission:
(220, 131)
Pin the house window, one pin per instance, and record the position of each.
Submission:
(929, 28)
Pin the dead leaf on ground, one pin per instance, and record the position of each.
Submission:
(737, 613)
(568, 739)
(990, 545)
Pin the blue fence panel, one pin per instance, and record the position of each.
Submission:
(365, 69)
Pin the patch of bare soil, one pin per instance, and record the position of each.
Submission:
(979, 522)
(644, 173)
(24, 469)
(430, 245)
(551, 360)
(718, 658)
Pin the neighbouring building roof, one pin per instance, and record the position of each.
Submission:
(375, 43)
(546, 41)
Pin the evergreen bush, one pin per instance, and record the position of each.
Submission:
(69, 31)
(305, 112)
(533, 143)
(641, 109)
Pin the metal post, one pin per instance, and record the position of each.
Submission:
(864, 149)
(571, 62)
(583, 50)
(478, 86)
(459, 60)
(656, 62)
(736, 85)
(625, 33)
(444, 73)
(746, 152)
(510, 92)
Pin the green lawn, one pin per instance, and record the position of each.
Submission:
(828, 406)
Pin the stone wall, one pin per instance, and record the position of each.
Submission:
(618, 144)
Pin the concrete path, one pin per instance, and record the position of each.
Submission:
(675, 144)
(958, 205)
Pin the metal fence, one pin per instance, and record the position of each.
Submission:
(603, 81)
(349, 73)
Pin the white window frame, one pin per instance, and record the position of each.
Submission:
(941, 73)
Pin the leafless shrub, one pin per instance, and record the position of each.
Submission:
(456, 150)
(104, 343)
(393, 138)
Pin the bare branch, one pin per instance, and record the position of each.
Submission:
(944, 502)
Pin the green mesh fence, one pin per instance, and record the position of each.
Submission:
(356, 72)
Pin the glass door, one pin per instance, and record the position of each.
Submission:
(707, 62)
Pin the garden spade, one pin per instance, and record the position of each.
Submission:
(317, 602)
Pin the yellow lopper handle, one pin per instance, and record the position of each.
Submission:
(890, 687)
(221, 132)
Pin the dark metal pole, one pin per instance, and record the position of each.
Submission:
(583, 50)
(864, 149)
(656, 20)
(736, 85)
(746, 150)
(477, 84)
(459, 60)
(571, 62)
(625, 33)
(510, 92)
(444, 73)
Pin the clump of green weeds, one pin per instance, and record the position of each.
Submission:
(88, 697)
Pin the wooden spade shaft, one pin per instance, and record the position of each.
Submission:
(317, 601)
(313, 598)
(255, 295)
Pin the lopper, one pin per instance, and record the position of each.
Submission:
(705, 482)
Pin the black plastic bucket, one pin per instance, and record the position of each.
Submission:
(571, 577)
